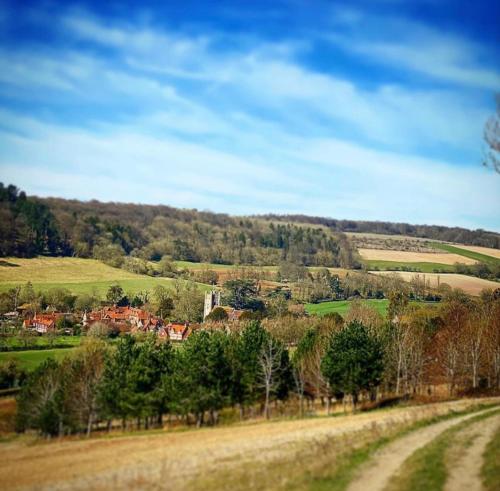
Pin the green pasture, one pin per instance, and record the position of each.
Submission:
(421, 267)
(75, 274)
(483, 258)
(45, 341)
(30, 359)
(100, 287)
(342, 306)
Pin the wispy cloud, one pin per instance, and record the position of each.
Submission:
(411, 45)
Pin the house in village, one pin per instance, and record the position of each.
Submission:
(42, 323)
(136, 319)
(176, 331)
(130, 319)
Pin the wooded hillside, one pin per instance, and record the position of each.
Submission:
(32, 225)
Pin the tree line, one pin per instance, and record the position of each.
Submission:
(460, 235)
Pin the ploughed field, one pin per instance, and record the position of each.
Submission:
(414, 257)
(364, 451)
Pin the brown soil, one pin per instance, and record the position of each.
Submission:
(414, 257)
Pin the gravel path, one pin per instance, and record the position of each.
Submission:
(385, 463)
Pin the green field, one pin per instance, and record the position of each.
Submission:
(75, 274)
(18, 342)
(342, 306)
(483, 258)
(31, 359)
(373, 264)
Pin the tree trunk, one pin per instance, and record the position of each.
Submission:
(89, 424)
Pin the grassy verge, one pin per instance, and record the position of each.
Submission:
(419, 267)
(29, 360)
(483, 258)
(490, 471)
(426, 468)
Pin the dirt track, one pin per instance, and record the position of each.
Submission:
(464, 471)
(376, 475)
(170, 460)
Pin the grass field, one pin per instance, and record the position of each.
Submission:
(342, 306)
(402, 266)
(17, 342)
(75, 274)
(483, 258)
(31, 359)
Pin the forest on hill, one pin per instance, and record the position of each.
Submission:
(460, 235)
(113, 231)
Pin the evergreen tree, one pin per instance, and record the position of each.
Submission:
(353, 361)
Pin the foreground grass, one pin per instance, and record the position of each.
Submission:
(419, 267)
(483, 258)
(426, 468)
(316, 465)
(342, 306)
(29, 360)
(490, 471)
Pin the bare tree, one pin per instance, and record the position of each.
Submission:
(88, 369)
(270, 365)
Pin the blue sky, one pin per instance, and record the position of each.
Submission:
(362, 110)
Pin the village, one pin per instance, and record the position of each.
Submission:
(127, 319)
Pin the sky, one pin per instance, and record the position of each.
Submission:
(369, 110)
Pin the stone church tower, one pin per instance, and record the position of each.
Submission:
(212, 300)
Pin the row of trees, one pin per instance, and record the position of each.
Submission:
(139, 383)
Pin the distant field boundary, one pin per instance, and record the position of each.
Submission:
(420, 267)
(493, 261)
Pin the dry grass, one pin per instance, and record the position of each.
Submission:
(468, 284)
(265, 455)
(414, 257)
